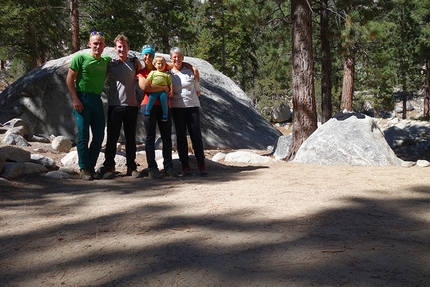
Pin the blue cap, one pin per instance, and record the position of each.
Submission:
(148, 49)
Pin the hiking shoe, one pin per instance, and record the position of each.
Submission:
(186, 171)
(99, 173)
(170, 172)
(202, 169)
(145, 172)
(164, 118)
(86, 174)
(154, 173)
(133, 173)
(147, 114)
(109, 173)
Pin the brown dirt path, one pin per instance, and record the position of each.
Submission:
(282, 224)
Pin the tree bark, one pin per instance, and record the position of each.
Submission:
(348, 83)
(326, 103)
(427, 98)
(32, 45)
(304, 107)
(404, 95)
(74, 25)
(427, 90)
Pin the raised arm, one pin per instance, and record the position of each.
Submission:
(169, 66)
(195, 70)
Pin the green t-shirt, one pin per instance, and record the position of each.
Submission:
(91, 72)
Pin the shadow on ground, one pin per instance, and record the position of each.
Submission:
(368, 243)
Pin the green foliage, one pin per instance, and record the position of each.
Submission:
(165, 22)
(113, 17)
(33, 30)
(249, 41)
(17, 69)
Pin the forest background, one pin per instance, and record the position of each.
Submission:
(359, 51)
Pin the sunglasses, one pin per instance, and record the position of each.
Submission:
(93, 33)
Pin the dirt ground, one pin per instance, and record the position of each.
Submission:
(280, 224)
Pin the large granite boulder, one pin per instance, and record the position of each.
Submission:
(229, 119)
(348, 139)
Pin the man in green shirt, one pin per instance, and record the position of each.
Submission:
(85, 81)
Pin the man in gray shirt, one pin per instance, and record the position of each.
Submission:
(123, 108)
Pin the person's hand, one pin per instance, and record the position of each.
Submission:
(198, 94)
(77, 105)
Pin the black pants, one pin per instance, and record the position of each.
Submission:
(188, 119)
(165, 129)
(117, 116)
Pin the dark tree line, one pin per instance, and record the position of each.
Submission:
(316, 54)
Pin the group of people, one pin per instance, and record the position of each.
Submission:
(171, 92)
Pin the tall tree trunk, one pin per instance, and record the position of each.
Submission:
(304, 107)
(427, 89)
(33, 46)
(348, 83)
(427, 98)
(326, 104)
(74, 25)
(404, 93)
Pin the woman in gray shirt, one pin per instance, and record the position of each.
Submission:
(185, 109)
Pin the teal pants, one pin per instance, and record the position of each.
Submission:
(91, 116)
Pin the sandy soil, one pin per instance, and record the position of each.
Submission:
(281, 224)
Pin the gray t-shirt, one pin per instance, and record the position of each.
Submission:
(184, 89)
(122, 83)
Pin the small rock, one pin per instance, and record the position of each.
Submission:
(423, 163)
(57, 174)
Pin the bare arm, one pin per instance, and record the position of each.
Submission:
(70, 81)
(170, 92)
(143, 83)
(156, 88)
(147, 87)
(195, 70)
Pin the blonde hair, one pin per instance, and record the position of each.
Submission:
(159, 59)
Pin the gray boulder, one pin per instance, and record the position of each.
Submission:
(247, 157)
(282, 147)
(228, 117)
(61, 144)
(348, 139)
(14, 139)
(17, 126)
(281, 113)
(14, 154)
(12, 169)
(43, 160)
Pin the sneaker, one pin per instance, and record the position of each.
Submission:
(86, 174)
(202, 169)
(145, 172)
(170, 172)
(109, 173)
(99, 173)
(147, 114)
(186, 171)
(164, 118)
(154, 173)
(133, 173)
